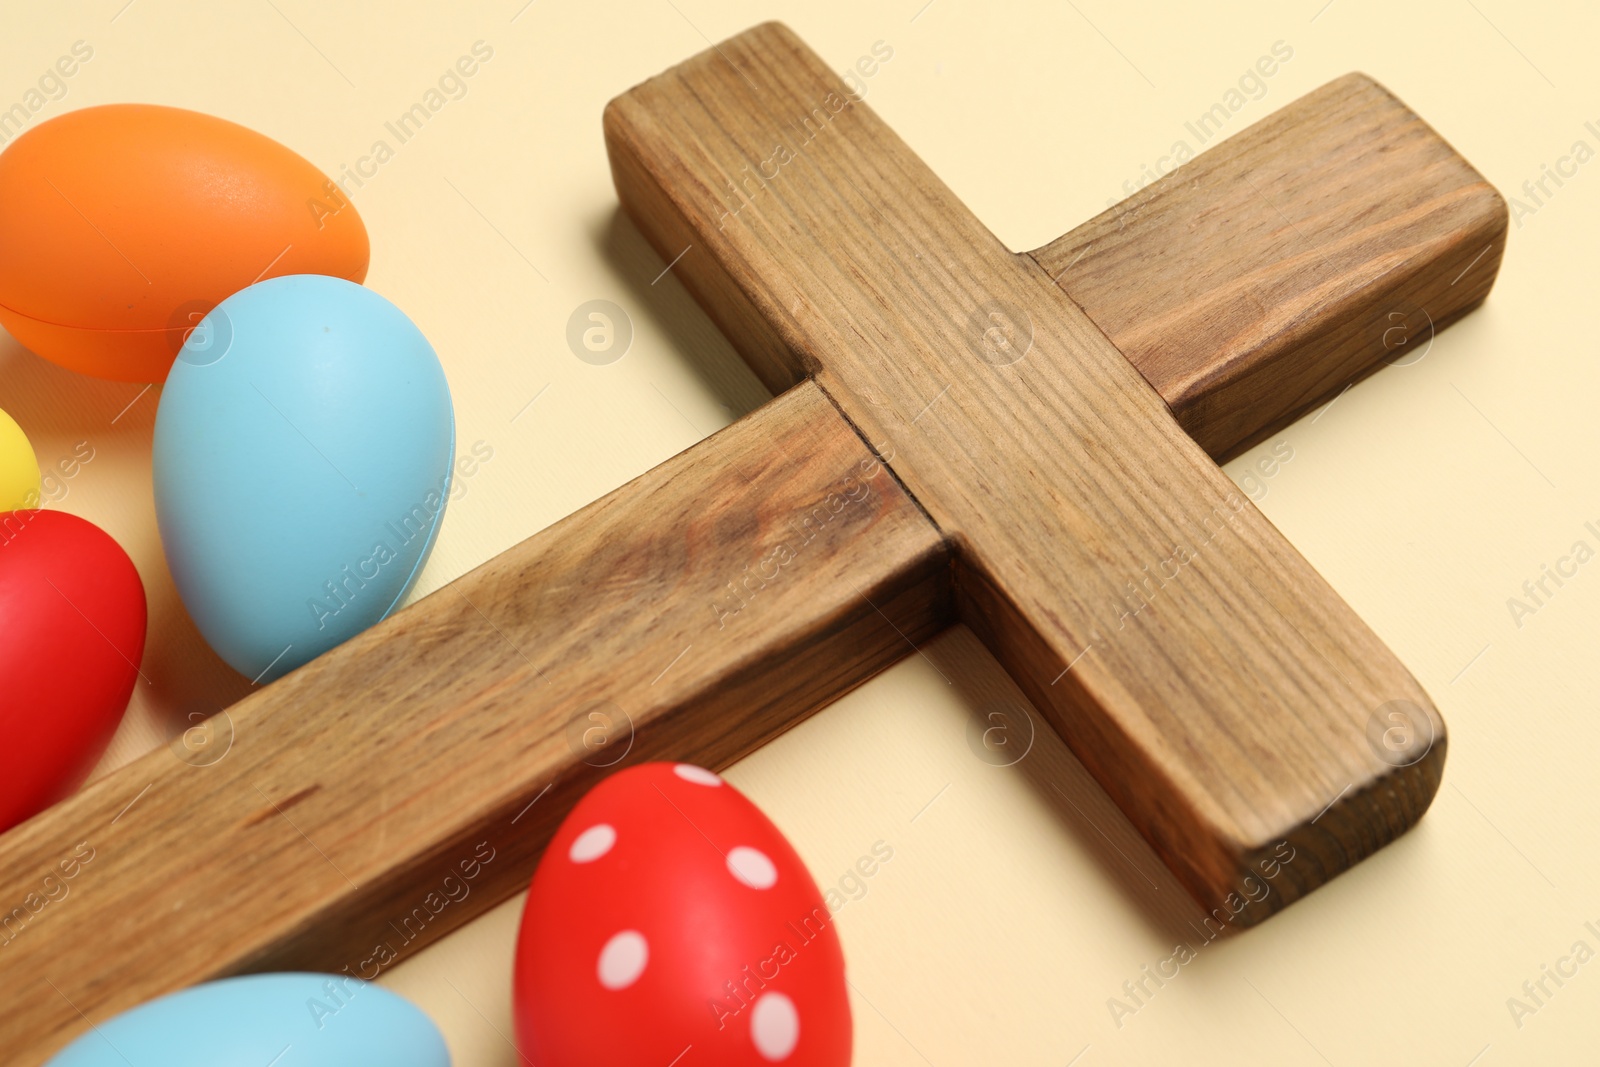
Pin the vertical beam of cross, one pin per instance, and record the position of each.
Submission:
(1220, 691)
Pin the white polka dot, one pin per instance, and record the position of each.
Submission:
(593, 843)
(698, 775)
(774, 1027)
(622, 960)
(752, 867)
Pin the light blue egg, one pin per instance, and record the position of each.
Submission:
(302, 462)
(286, 1020)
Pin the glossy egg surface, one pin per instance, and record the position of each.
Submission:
(122, 225)
(301, 465)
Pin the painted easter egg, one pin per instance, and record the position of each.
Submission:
(122, 225)
(307, 1020)
(668, 913)
(19, 467)
(301, 464)
(72, 628)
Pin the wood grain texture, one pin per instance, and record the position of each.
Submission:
(1258, 280)
(1230, 703)
(1217, 688)
(715, 601)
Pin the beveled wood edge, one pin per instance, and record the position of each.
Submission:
(1325, 350)
(1220, 870)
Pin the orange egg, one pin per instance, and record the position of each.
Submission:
(122, 225)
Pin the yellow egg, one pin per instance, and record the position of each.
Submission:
(19, 470)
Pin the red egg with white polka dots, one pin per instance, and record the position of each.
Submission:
(670, 922)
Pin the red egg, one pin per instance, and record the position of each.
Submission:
(669, 921)
(72, 616)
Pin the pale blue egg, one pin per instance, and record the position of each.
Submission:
(302, 462)
(287, 1020)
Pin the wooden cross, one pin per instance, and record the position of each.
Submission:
(1024, 443)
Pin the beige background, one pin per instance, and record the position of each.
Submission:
(1018, 900)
